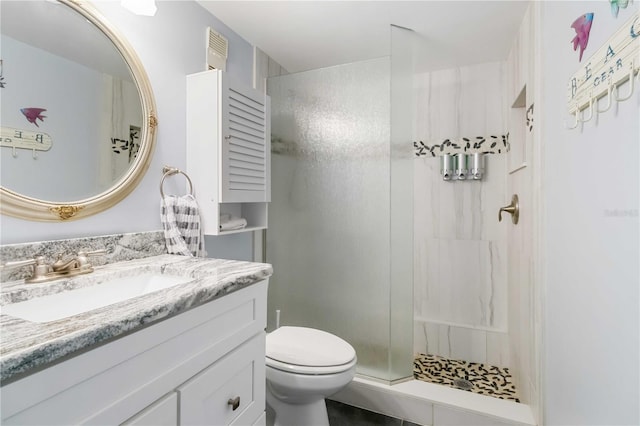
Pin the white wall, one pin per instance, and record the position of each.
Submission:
(170, 45)
(591, 185)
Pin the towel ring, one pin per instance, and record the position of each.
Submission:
(170, 171)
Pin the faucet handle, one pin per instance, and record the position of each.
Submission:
(18, 263)
(40, 267)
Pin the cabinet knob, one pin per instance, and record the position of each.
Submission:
(234, 402)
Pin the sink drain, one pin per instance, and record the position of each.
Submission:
(462, 384)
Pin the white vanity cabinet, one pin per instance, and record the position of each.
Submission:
(163, 412)
(228, 150)
(204, 366)
(224, 393)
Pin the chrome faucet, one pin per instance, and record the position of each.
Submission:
(43, 272)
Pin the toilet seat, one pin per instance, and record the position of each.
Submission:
(303, 350)
(309, 370)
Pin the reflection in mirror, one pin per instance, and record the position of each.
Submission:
(78, 115)
(70, 111)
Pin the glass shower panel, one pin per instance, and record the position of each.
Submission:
(329, 219)
(401, 203)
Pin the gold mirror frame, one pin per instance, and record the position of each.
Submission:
(20, 206)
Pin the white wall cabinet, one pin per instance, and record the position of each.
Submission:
(184, 370)
(228, 150)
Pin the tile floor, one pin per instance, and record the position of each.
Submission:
(346, 415)
(470, 376)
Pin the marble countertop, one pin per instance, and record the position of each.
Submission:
(26, 347)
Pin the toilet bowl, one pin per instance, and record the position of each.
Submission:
(304, 366)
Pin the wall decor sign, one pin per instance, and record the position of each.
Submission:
(24, 139)
(582, 26)
(616, 5)
(617, 61)
(33, 114)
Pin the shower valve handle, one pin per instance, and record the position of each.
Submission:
(513, 209)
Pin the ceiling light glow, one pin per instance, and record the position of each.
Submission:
(140, 7)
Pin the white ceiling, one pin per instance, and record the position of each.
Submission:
(303, 35)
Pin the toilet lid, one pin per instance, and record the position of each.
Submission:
(308, 347)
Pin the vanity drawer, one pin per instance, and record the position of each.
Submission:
(208, 398)
(162, 413)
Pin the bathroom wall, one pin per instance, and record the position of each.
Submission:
(171, 45)
(265, 67)
(592, 226)
(460, 293)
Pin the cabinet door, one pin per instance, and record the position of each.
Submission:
(163, 412)
(246, 140)
(262, 420)
(230, 392)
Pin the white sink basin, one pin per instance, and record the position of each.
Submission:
(73, 302)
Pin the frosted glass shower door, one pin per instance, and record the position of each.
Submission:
(330, 218)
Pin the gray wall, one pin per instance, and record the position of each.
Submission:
(170, 45)
(591, 185)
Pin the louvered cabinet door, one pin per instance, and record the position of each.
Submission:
(245, 147)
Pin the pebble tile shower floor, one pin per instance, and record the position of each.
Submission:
(470, 376)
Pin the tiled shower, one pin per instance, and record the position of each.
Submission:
(460, 287)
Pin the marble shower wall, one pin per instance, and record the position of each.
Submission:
(460, 283)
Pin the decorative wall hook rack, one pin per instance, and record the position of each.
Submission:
(615, 63)
(24, 139)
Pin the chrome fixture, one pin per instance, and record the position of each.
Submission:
(461, 166)
(43, 272)
(476, 166)
(446, 168)
(170, 171)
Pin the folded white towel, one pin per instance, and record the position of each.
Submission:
(233, 223)
(181, 223)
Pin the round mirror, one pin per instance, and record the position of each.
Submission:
(77, 112)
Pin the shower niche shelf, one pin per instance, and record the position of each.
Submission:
(228, 150)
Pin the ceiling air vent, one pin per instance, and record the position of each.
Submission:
(217, 50)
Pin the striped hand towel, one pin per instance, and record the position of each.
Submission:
(181, 223)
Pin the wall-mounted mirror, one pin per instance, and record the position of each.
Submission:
(77, 112)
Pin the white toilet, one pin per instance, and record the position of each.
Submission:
(305, 365)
